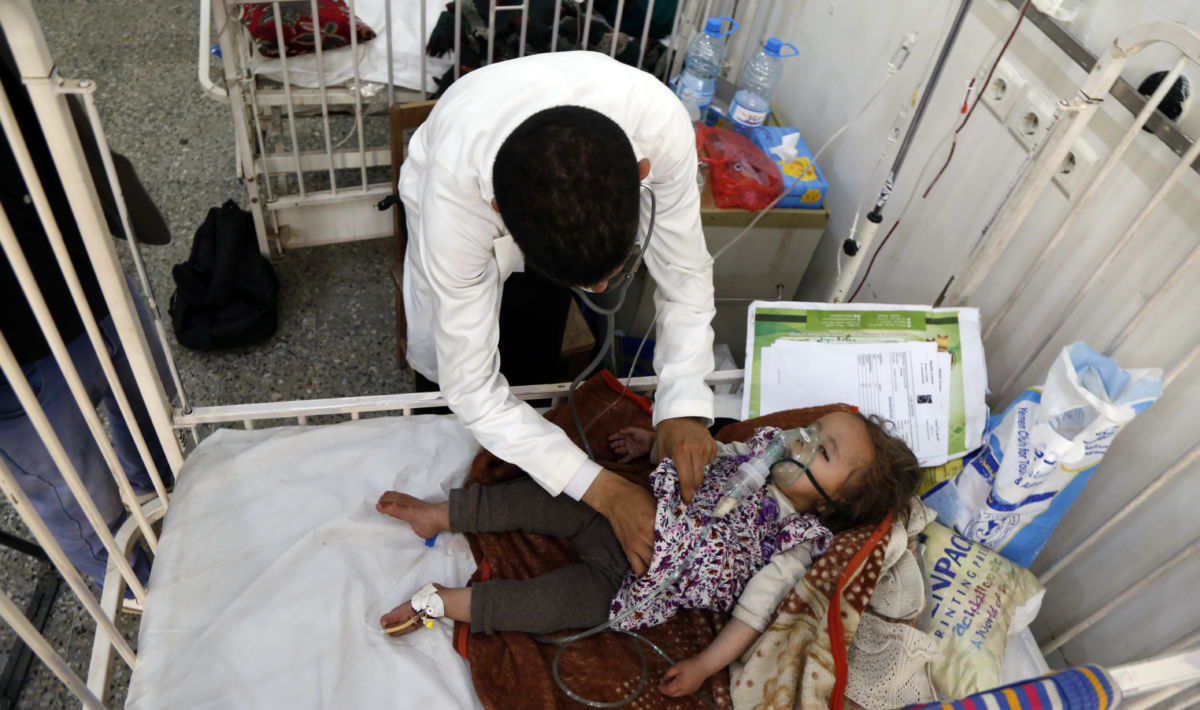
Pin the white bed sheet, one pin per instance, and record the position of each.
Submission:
(407, 46)
(274, 567)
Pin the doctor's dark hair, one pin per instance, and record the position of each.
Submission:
(885, 484)
(566, 182)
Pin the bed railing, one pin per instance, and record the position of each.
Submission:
(315, 159)
(47, 94)
(1010, 234)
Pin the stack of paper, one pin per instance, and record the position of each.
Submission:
(920, 368)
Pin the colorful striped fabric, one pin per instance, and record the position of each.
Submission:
(1081, 688)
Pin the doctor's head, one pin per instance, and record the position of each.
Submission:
(567, 187)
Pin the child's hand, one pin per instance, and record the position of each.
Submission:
(400, 616)
(631, 443)
(683, 678)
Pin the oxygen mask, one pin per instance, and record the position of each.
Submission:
(799, 448)
(785, 460)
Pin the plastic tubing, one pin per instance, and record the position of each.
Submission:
(566, 641)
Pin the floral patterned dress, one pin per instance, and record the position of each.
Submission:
(737, 546)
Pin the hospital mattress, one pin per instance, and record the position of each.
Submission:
(274, 567)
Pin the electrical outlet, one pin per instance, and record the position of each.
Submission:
(1031, 115)
(1007, 85)
(1076, 167)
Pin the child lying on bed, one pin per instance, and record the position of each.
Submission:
(748, 563)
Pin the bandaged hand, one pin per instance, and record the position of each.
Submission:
(403, 616)
(686, 441)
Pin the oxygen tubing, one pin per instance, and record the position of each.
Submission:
(638, 639)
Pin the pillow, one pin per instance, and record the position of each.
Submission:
(299, 30)
(976, 599)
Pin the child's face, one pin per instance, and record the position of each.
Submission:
(845, 447)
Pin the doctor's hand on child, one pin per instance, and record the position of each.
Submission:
(688, 443)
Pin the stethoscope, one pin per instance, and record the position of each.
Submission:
(619, 285)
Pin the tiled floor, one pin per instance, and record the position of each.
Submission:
(335, 334)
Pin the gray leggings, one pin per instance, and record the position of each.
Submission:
(576, 596)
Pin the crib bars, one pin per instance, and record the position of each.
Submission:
(266, 174)
(304, 185)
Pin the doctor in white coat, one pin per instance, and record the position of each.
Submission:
(537, 163)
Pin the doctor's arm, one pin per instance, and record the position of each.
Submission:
(629, 509)
(466, 290)
(678, 260)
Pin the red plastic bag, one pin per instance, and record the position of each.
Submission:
(741, 174)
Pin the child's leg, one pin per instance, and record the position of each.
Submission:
(577, 596)
(573, 597)
(519, 505)
(514, 505)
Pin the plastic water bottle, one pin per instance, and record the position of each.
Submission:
(702, 63)
(752, 103)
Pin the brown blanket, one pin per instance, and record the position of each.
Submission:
(511, 670)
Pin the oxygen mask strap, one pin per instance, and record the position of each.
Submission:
(813, 480)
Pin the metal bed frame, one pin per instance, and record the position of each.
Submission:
(312, 192)
(1163, 678)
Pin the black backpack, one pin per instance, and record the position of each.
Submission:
(226, 293)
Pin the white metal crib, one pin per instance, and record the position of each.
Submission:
(315, 159)
(292, 208)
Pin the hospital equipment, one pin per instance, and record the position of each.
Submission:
(1069, 621)
(618, 289)
(855, 247)
(784, 460)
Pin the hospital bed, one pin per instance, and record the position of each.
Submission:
(296, 606)
(311, 130)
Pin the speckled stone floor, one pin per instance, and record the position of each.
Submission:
(336, 330)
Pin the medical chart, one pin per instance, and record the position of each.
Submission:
(905, 383)
(775, 326)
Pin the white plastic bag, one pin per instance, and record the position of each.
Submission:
(1041, 450)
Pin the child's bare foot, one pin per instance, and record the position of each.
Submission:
(401, 620)
(631, 443)
(426, 519)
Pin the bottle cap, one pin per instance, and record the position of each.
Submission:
(775, 46)
(712, 27)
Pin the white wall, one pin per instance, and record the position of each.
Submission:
(845, 46)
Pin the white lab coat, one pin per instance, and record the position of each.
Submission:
(460, 253)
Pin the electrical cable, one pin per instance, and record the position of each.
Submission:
(978, 95)
(897, 62)
(872, 262)
(565, 641)
(953, 137)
